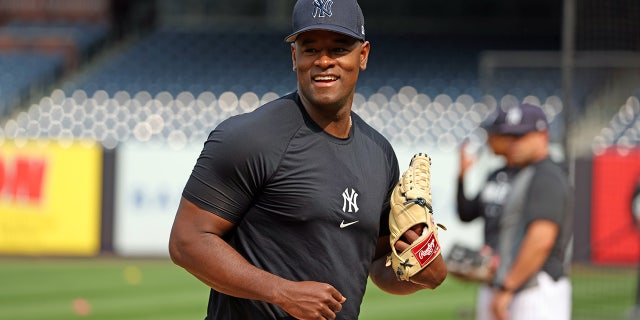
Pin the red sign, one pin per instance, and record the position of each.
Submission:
(22, 178)
(615, 239)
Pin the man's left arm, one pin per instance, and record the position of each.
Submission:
(536, 247)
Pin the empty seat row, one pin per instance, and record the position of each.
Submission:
(218, 61)
(403, 116)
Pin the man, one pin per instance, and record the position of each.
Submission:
(488, 205)
(536, 226)
(285, 214)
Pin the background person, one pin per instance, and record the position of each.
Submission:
(487, 205)
(536, 226)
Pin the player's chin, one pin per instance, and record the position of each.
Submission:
(326, 96)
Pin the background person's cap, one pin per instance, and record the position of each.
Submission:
(521, 120)
(494, 120)
(342, 16)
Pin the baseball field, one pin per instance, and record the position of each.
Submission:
(128, 289)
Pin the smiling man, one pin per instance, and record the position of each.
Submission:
(285, 214)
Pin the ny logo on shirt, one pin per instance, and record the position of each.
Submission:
(350, 200)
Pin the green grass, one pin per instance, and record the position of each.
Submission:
(452, 300)
(123, 289)
(603, 293)
(114, 288)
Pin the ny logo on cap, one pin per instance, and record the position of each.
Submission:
(514, 116)
(322, 8)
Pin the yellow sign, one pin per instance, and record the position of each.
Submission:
(50, 198)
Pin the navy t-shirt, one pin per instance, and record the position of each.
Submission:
(306, 205)
(550, 197)
(540, 191)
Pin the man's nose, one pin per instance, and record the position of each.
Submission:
(325, 61)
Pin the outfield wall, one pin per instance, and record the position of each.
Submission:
(52, 200)
(149, 181)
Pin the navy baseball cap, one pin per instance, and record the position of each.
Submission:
(520, 120)
(494, 120)
(342, 16)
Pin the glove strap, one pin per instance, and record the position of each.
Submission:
(421, 202)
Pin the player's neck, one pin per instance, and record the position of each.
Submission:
(336, 123)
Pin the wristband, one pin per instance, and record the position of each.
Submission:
(502, 288)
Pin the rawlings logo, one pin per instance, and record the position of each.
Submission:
(426, 251)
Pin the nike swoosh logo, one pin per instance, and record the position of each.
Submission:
(344, 225)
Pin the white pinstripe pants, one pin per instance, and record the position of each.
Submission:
(549, 300)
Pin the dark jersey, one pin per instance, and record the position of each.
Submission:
(550, 198)
(540, 191)
(488, 203)
(306, 205)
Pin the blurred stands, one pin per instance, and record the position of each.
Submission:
(196, 61)
(77, 40)
(215, 60)
(416, 88)
(623, 130)
(24, 72)
(541, 82)
(440, 72)
(171, 62)
(43, 40)
(404, 116)
(55, 10)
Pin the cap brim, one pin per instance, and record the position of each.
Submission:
(327, 27)
(517, 130)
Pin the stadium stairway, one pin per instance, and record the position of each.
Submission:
(34, 54)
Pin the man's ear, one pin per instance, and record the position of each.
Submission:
(293, 55)
(364, 55)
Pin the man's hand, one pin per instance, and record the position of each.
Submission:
(466, 161)
(500, 304)
(431, 276)
(310, 300)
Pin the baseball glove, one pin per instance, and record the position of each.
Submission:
(411, 206)
(469, 264)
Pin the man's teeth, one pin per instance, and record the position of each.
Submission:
(325, 78)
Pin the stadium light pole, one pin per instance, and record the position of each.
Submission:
(567, 69)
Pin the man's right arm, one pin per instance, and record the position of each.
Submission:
(468, 209)
(196, 244)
